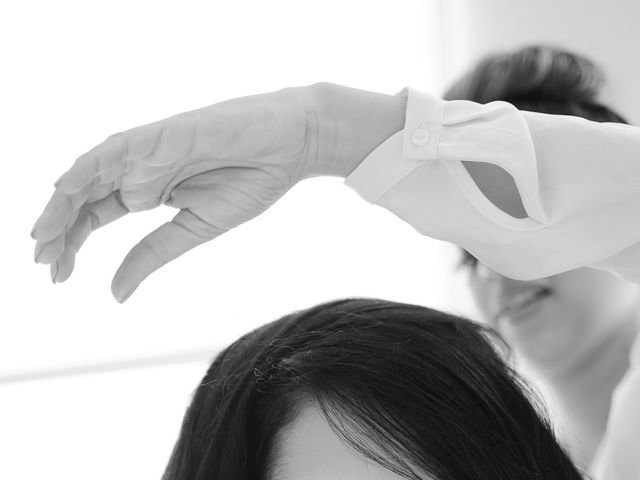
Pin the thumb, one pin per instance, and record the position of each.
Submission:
(184, 232)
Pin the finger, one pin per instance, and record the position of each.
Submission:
(54, 217)
(103, 159)
(48, 252)
(59, 213)
(101, 191)
(61, 269)
(91, 217)
(93, 176)
(164, 244)
(98, 214)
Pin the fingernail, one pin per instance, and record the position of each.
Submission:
(54, 271)
(126, 296)
(123, 299)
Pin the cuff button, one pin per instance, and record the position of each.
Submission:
(420, 137)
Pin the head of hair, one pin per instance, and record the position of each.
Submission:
(536, 78)
(416, 390)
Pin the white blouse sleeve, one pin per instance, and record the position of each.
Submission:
(578, 181)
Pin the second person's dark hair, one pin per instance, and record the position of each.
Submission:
(538, 78)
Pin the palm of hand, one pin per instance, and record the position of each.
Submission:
(221, 166)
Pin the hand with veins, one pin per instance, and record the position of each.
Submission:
(220, 166)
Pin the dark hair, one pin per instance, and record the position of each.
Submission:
(406, 386)
(536, 78)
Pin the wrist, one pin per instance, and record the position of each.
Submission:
(350, 123)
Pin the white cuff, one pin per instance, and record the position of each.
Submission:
(404, 151)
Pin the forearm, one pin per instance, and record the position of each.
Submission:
(351, 123)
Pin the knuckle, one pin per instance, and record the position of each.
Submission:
(156, 248)
(199, 227)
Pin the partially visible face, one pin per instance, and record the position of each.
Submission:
(554, 321)
(310, 450)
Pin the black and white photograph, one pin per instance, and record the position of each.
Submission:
(320, 240)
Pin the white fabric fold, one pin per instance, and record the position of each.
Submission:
(578, 182)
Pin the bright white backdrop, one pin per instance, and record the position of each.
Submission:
(77, 71)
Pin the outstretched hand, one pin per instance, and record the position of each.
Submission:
(220, 166)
